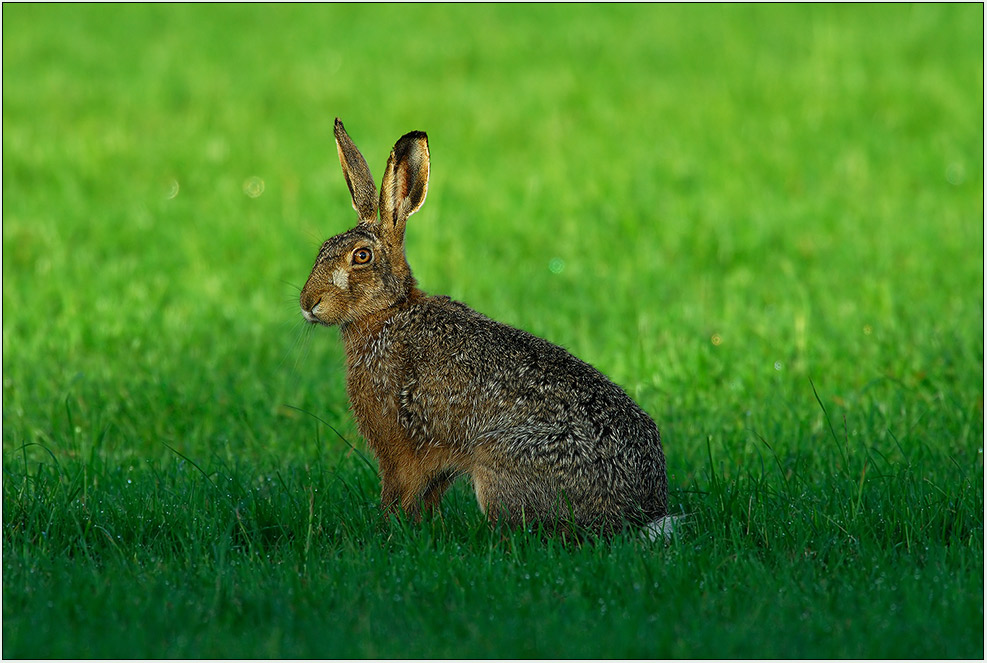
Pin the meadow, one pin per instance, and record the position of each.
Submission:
(764, 222)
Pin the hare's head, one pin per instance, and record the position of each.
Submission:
(364, 270)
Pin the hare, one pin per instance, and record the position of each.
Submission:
(439, 390)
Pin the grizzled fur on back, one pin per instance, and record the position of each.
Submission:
(439, 390)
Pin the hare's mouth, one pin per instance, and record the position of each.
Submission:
(310, 316)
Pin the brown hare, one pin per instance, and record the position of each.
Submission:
(439, 390)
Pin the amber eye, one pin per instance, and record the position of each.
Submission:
(362, 256)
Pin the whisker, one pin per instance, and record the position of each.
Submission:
(299, 347)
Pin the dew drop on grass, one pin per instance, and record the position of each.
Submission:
(955, 173)
(253, 187)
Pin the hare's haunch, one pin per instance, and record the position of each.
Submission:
(439, 390)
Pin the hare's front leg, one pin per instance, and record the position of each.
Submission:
(395, 490)
(409, 487)
(412, 486)
(436, 488)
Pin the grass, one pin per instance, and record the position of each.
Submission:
(764, 222)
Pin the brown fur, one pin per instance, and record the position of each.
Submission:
(439, 390)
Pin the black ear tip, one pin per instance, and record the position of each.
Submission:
(415, 135)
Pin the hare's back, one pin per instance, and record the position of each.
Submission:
(506, 375)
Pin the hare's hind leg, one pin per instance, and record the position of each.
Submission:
(500, 497)
(518, 480)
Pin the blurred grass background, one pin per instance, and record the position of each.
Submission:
(712, 204)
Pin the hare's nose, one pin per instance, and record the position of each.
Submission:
(308, 304)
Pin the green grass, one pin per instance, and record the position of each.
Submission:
(765, 222)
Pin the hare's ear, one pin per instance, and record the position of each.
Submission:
(358, 177)
(405, 181)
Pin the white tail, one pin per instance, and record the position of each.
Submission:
(662, 528)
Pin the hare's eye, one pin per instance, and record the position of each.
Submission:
(362, 256)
